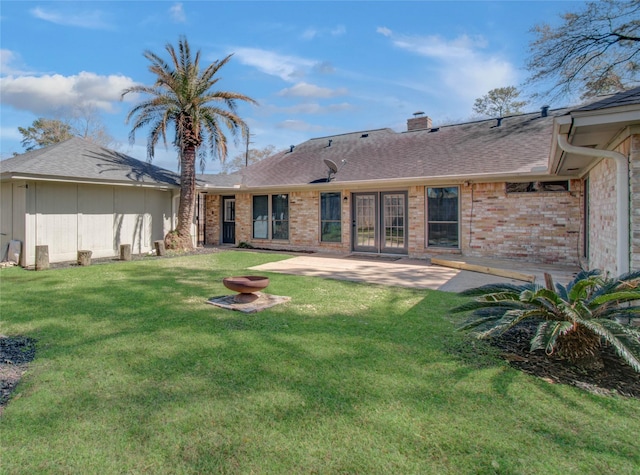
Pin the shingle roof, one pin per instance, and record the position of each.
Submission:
(626, 98)
(79, 159)
(520, 145)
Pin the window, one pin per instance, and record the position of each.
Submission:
(537, 186)
(278, 208)
(261, 217)
(442, 212)
(330, 217)
(280, 216)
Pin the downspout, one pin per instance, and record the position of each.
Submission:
(622, 195)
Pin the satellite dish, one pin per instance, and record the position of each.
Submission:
(332, 165)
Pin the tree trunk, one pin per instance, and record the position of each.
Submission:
(181, 238)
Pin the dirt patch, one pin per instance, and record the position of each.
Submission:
(611, 377)
(15, 354)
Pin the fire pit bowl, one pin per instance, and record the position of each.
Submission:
(246, 285)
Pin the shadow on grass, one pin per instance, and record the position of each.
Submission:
(137, 349)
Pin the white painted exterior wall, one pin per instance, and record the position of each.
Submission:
(69, 216)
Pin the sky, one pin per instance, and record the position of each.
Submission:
(316, 68)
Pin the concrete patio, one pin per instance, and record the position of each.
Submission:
(418, 273)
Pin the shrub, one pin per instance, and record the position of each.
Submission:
(573, 321)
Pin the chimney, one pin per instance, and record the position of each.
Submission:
(544, 111)
(419, 122)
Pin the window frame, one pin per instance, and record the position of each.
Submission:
(269, 219)
(429, 221)
(328, 221)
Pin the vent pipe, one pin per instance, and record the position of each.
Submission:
(544, 111)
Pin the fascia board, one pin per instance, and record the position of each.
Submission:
(588, 118)
(26, 176)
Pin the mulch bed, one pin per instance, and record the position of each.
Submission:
(612, 377)
(15, 354)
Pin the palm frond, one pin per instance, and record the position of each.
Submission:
(620, 297)
(626, 345)
(619, 312)
(509, 320)
(547, 335)
(480, 304)
(496, 288)
(479, 322)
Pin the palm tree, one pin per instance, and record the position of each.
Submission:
(573, 320)
(183, 96)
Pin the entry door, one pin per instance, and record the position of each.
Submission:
(201, 221)
(228, 220)
(379, 222)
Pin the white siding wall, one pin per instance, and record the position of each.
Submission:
(69, 217)
(57, 219)
(95, 220)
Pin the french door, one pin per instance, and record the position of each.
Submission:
(380, 222)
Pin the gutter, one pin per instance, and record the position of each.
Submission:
(622, 195)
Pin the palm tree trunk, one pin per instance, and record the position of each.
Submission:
(181, 238)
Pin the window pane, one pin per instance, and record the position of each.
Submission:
(261, 217)
(366, 220)
(331, 232)
(330, 217)
(394, 220)
(442, 208)
(443, 204)
(330, 207)
(443, 234)
(280, 214)
(229, 210)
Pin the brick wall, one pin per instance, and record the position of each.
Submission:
(635, 201)
(213, 207)
(603, 209)
(602, 216)
(539, 227)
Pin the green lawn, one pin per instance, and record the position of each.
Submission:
(135, 373)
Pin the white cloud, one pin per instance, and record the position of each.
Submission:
(324, 67)
(11, 63)
(10, 133)
(383, 30)
(298, 126)
(91, 19)
(177, 13)
(316, 109)
(303, 89)
(339, 30)
(288, 68)
(50, 93)
(459, 64)
(309, 34)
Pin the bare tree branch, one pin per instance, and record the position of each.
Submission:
(593, 51)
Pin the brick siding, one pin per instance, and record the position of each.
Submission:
(541, 227)
(635, 201)
(537, 227)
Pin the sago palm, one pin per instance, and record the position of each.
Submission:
(183, 97)
(572, 321)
